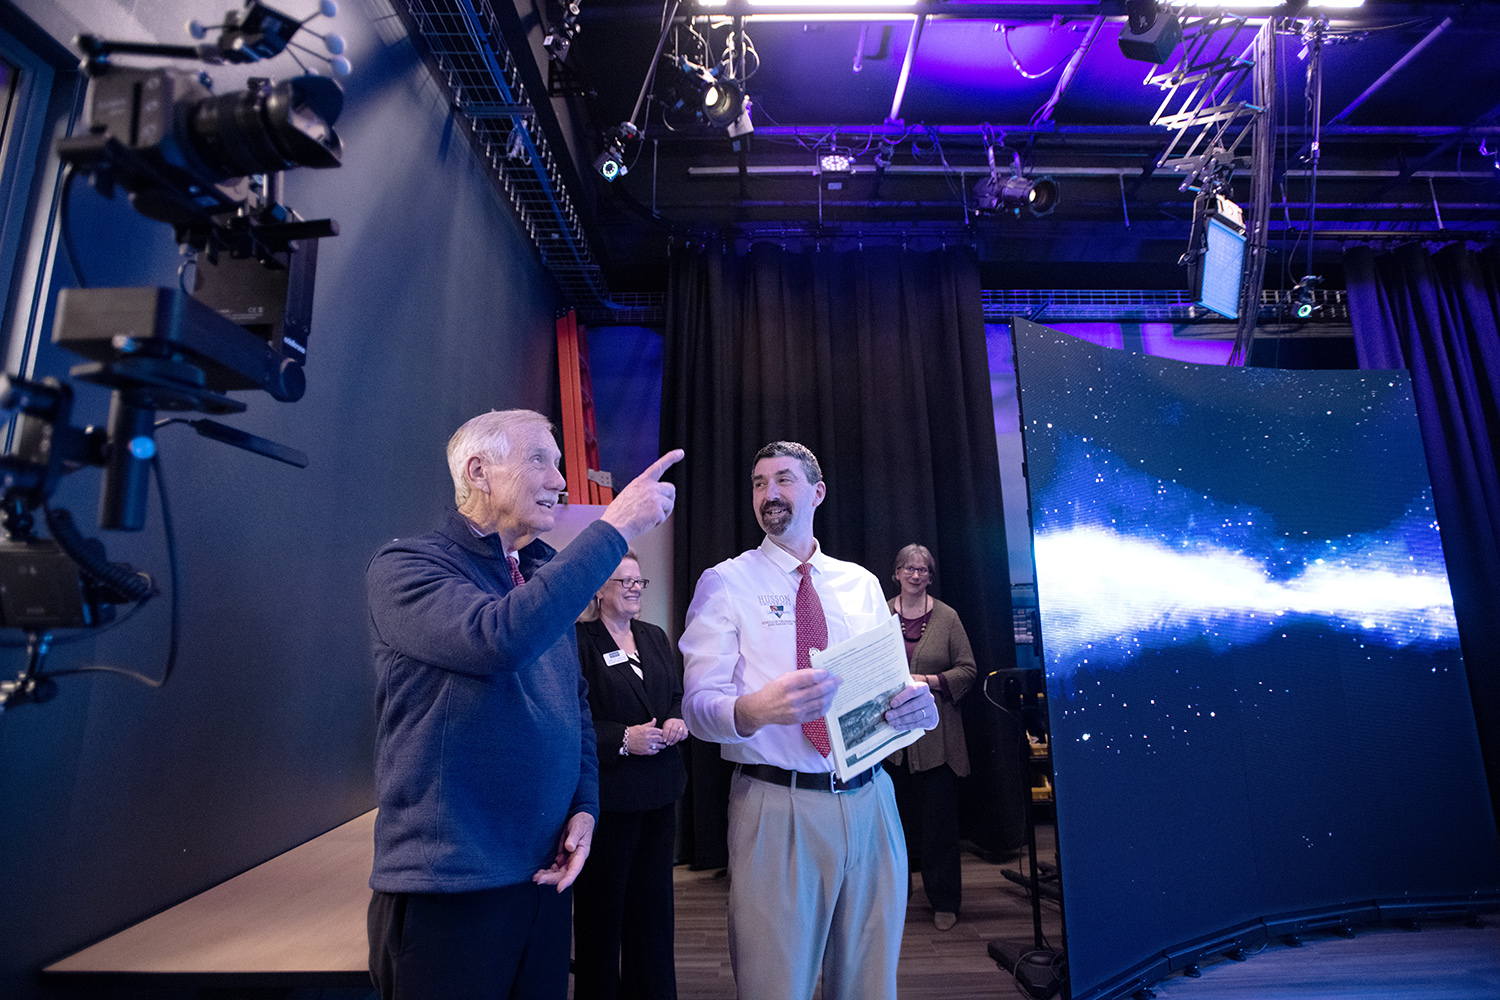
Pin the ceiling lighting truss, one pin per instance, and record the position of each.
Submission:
(483, 80)
(1201, 109)
(1068, 305)
(1263, 152)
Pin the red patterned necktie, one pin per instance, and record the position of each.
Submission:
(812, 633)
(515, 571)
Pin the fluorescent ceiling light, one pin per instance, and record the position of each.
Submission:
(870, 17)
(1260, 4)
(818, 5)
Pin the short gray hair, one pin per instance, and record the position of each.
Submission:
(792, 449)
(488, 436)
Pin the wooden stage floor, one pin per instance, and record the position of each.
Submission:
(934, 964)
(1444, 961)
(294, 929)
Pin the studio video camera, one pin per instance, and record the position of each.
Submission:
(209, 165)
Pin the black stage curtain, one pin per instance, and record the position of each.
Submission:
(1437, 315)
(876, 361)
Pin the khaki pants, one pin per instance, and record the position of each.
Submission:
(817, 882)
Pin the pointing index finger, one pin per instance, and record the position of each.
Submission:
(661, 465)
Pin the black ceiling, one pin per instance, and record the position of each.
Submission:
(1409, 125)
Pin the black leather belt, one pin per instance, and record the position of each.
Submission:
(825, 781)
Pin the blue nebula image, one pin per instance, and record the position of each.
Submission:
(1174, 502)
(1144, 563)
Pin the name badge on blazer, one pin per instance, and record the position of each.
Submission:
(615, 657)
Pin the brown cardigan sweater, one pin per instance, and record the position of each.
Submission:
(943, 649)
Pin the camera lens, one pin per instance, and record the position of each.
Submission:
(266, 128)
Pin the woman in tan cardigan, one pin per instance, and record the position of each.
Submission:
(926, 773)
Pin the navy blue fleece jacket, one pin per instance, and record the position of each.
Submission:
(484, 745)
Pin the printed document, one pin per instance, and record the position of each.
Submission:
(873, 668)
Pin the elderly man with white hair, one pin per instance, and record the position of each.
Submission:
(486, 769)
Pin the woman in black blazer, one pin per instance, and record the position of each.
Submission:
(635, 691)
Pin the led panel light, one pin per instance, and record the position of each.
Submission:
(1222, 270)
(836, 163)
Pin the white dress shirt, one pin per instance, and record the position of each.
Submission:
(741, 633)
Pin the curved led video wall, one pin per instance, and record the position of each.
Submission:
(1257, 700)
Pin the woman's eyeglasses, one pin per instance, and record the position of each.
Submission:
(916, 570)
(631, 582)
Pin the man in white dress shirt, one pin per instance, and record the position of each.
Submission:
(817, 868)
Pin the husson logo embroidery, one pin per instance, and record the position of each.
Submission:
(777, 604)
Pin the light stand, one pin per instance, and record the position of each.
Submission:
(1039, 969)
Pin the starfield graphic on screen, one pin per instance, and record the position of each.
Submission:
(1143, 562)
(1255, 687)
(1187, 504)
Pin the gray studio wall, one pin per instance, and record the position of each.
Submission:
(117, 800)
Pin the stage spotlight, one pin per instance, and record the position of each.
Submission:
(723, 102)
(1302, 296)
(1150, 34)
(995, 193)
(725, 106)
(1036, 195)
(611, 162)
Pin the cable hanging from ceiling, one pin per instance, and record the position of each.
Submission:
(703, 89)
(1006, 29)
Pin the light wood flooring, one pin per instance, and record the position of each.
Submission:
(934, 964)
(1444, 961)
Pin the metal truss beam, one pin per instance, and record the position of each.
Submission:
(467, 47)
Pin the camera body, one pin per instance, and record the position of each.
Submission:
(209, 165)
(186, 156)
(184, 153)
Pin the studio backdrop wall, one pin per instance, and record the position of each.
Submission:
(118, 799)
